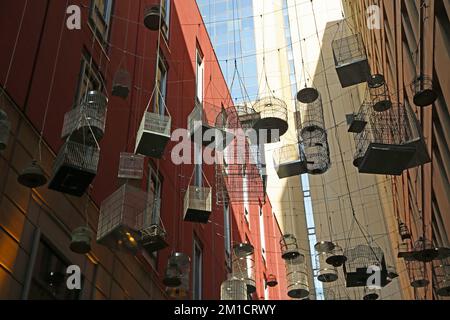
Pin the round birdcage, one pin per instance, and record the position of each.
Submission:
(376, 81)
(81, 240)
(379, 95)
(153, 15)
(178, 266)
(307, 95)
(5, 126)
(233, 289)
(121, 84)
(273, 118)
(371, 293)
(417, 274)
(32, 176)
(423, 90)
(424, 250)
(336, 257)
(326, 273)
(312, 122)
(324, 246)
(297, 278)
(289, 247)
(271, 281)
(317, 155)
(442, 274)
(243, 265)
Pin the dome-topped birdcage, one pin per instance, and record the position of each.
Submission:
(360, 260)
(5, 126)
(289, 247)
(379, 93)
(290, 161)
(423, 90)
(297, 278)
(273, 122)
(441, 270)
(248, 117)
(326, 272)
(233, 289)
(86, 123)
(350, 59)
(75, 168)
(131, 167)
(424, 250)
(417, 274)
(178, 268)
(391, 142)
(121, 84)
(336, 257)
(243, 265)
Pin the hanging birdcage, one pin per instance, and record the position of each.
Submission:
(423, 90)
(289, 247)
(118, 224)
(5, 126)
(131, 166)
(243, 265)
(307, 95)
(153, 134)
(178, 268)
(121, 84)
(371, 293)
(198, 203)
(355, 122)
(152, 234)
(248, 117)
(233, 289)
(336, 256)
(297, 278)
(404, 231)
(379, 93)
(81, 240)
(32, 176)
(391, 273)
(324, 246)
(273, 122)
(312, 122)
(417, 274)
(424, 250)
(391, 142)
(198, 125)
(442, 275)
(86, 123)
(227, 123)
(317, 155)
(271, 281)
(75, 168)
(362, 259)
(153, 16)
(290, 161)
(326, 272)
(180, 292)
(350, 60)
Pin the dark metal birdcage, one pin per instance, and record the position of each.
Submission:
(417, 274)
(121, 84)
(273, 122)
(310, 120)
(153, 15)
(379, 93)
(178, 268)
(350, 60)
(5, 126)
(290, 161)
(441, 270)
(391, 142)
(131, 166)
(423, 90)
(317, 155)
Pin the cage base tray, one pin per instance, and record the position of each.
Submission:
(291, 169)
(425, 97)
(271, 124)
(154, 243)
(444, 290)
(152, 144)
(336, 260)
(197, 216)
(118, 241)
(120, 91)
(357, 126)
(298, 293)
(386, 159)
(71, 180)
(353, 73)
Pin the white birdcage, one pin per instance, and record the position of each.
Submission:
(75, 168)
(198, 202)
(243, 265)
(86, 123)
(350, 60)
(121, 218)
(297, 278)
(233, 289)
(326, 272)
(290, 161)
(273, 119)
(131, 166)
(5, 126)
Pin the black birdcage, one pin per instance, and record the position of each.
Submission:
(441, 270)
(379, 93)
(350, 60)
(121, 84)
(404, 231)
(310, 120)
(391, 142)
(290, 161)
(336, 257)
(424, 250)
(307, 95)
(317, 155)
(178, 268)
(5, 126)
(131, 168)
(362, 261)
(417, 274)
(423, 90)
(153, 16)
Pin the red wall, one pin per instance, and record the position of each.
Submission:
(29, 86)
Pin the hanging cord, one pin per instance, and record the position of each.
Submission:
(11, 61)
(264, 54)
(337, 138)
(300, 44)
(52, 82)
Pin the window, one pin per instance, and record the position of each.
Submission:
(50, 276)
(262, 233)
(161, 82)
(100, 18)
(154, 194)
(245, 198)
(200, 76)
(227, 230)
(197, 270)
(90, 78)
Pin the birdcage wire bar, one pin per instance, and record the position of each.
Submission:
(317, 153)
(350, 59)
(380, 98)
(310, 120)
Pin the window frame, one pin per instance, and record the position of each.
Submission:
(85, 64)
(197, 270)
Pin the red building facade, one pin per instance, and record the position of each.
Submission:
(45, 67)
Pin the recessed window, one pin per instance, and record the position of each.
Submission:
(161, 82)
(197, 270)
(90, 78)
(100, 18)
(200, 76)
